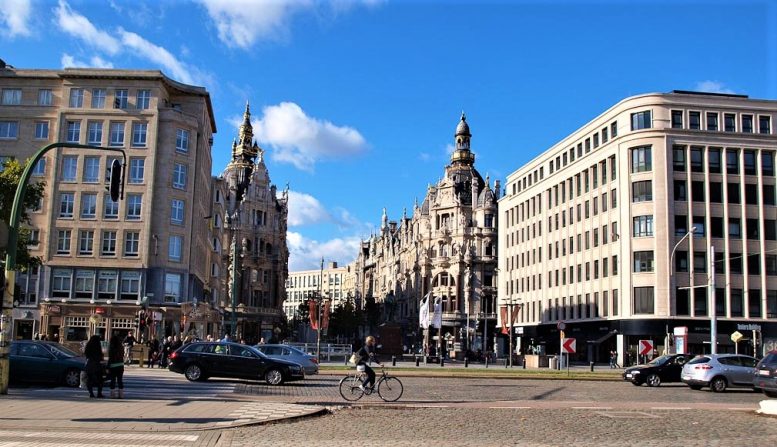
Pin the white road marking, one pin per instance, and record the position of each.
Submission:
(103, 435)
(591, 408)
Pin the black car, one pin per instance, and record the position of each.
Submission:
(198, 361)
(765, 377)
(45, 362)
(666, 368)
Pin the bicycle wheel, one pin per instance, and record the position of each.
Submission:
(390, 389)
(349, 388)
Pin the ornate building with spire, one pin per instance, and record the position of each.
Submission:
(447, 247)
(251, 236)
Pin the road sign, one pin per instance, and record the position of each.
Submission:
(736, 336)
(568, 346)
(561, 325)
(645, 347)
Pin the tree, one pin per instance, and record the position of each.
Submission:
(372, 311)
(345, 320)
(9, 181)
(303, 312)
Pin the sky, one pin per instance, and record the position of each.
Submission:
(356, 102)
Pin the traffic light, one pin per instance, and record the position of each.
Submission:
(116, 181)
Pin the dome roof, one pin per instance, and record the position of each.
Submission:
(463, 127)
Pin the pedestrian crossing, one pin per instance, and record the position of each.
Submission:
(21, 438)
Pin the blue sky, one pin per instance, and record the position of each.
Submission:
(356, 102)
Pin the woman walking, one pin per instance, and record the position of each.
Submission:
(116, 366)
(94, 368)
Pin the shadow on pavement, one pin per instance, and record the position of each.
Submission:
(157, 420)
(547, 393)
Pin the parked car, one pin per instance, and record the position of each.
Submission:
(45, 362)
(765, 378)
(284, 352)
(719, 371)
(198, 361)
(660, 370)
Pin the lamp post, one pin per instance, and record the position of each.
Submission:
(672, 279)
(319, 301)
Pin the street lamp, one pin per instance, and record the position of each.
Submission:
(672, 278)
(510, 303)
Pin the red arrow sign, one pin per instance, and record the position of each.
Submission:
(569, 345)
(645, 347)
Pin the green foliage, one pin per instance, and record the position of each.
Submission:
(9, 181)
(345, 319)
(303, 312)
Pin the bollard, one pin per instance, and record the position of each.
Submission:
(417, 361)
(592, 366)
(505, 363)
(486, 362)
(442, 361)
(393, 360)
(466, 362)
(346, 361)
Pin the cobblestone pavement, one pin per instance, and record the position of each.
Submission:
(496, 427)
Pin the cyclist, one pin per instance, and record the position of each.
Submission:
(366, 354)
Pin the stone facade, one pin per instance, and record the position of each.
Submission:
(447, 247)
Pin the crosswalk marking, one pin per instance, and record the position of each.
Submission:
(100, 435)
(21, 438)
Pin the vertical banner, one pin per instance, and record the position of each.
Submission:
(313, 313)
(423, 313)
(516, 309)
(437, 319)
(503, 318)
(325, 317)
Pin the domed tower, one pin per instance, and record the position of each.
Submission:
(462, 155)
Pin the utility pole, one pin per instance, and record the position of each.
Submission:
(711, 298)
(319, 301)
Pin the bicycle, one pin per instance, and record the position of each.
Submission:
(389, 387)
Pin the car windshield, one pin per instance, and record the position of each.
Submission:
(62, 352)
(659, 360)
(295, 350)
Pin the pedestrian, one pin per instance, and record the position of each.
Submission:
(227, 338)
(129, 342)
(116, 367)
(177, 343)
(367, 354)
(93, 352)
(166, 344)
(261, 341)
(153, 352)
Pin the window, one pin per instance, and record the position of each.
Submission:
(735, 263)
(733, 193)
(747, 123)
(752, 229)
(61, 281)
(9, 130)
(680, 190)
(172, 287)
(694, 120)
(85, 242)
(681, 261)
(697, 159)
(643, 300)
(771, 304)
(767, 163)
(720, 262)
(754, 303)
(63, 242)
(182, 141)
(771, 265)
(751, 194)
(73, 131)
(42, 130)
(175, 245)
(110, 208)
(712, 121)
(596, 140)
(94, 131)
(44, 97)
(713, 155)
(108, 243)
(753, 264)
(737, 303)
(134, 204)
(683, 301)
(698, 224)
(697, 191)
(40, 167)
(66, 204)
(716, 227)
(764, 124)
(76, 98)
(176, 212)
(642, 191)
(139, 134)
(641, 120)
(604, 137)
(700, 302)
(69, 168)
(680, 225)
(700, 261)
(735, 228)
(750, 167)
(98, 98)
(729, 122)
(131, 244)
(732, 161)
(179, 176)
(143, 99)
(641, 159)
(678, 157)
(106, 284)
(770, 229)
(643, 226)
(88, 206)
(643, 261)
(716, 192)
(130, 285)
(137, 170)
(677, 119)
(91, 169)
(117, 134)
(120, 99)
(614, 129)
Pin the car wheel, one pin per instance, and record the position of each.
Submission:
(273, 377)
(769, 393)
(695, 387)
(193, 372)
(73, 377)
(718, 384)
(653, 380)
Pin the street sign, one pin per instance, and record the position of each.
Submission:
(645, 347)
(561, 325)
(736, 336)
(568, 346)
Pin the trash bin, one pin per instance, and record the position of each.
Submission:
(553, 362)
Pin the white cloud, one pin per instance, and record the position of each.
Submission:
(69, 61)
(15, 17)
(424, 156)
(80, 27)
(712, 87)
(306, 254)
(301, 140)
(175, 68)
(449, 149)
(305, 209)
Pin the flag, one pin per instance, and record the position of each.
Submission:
(516, 309)
(423, 313)
(437, 318)
(503, 318)
(325, 317)
(313, 311)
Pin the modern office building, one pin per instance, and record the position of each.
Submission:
(104, 261)
(330, 281)
(588, 229)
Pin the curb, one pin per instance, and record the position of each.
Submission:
(475, 375)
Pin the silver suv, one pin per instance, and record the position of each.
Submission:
(719, 371)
